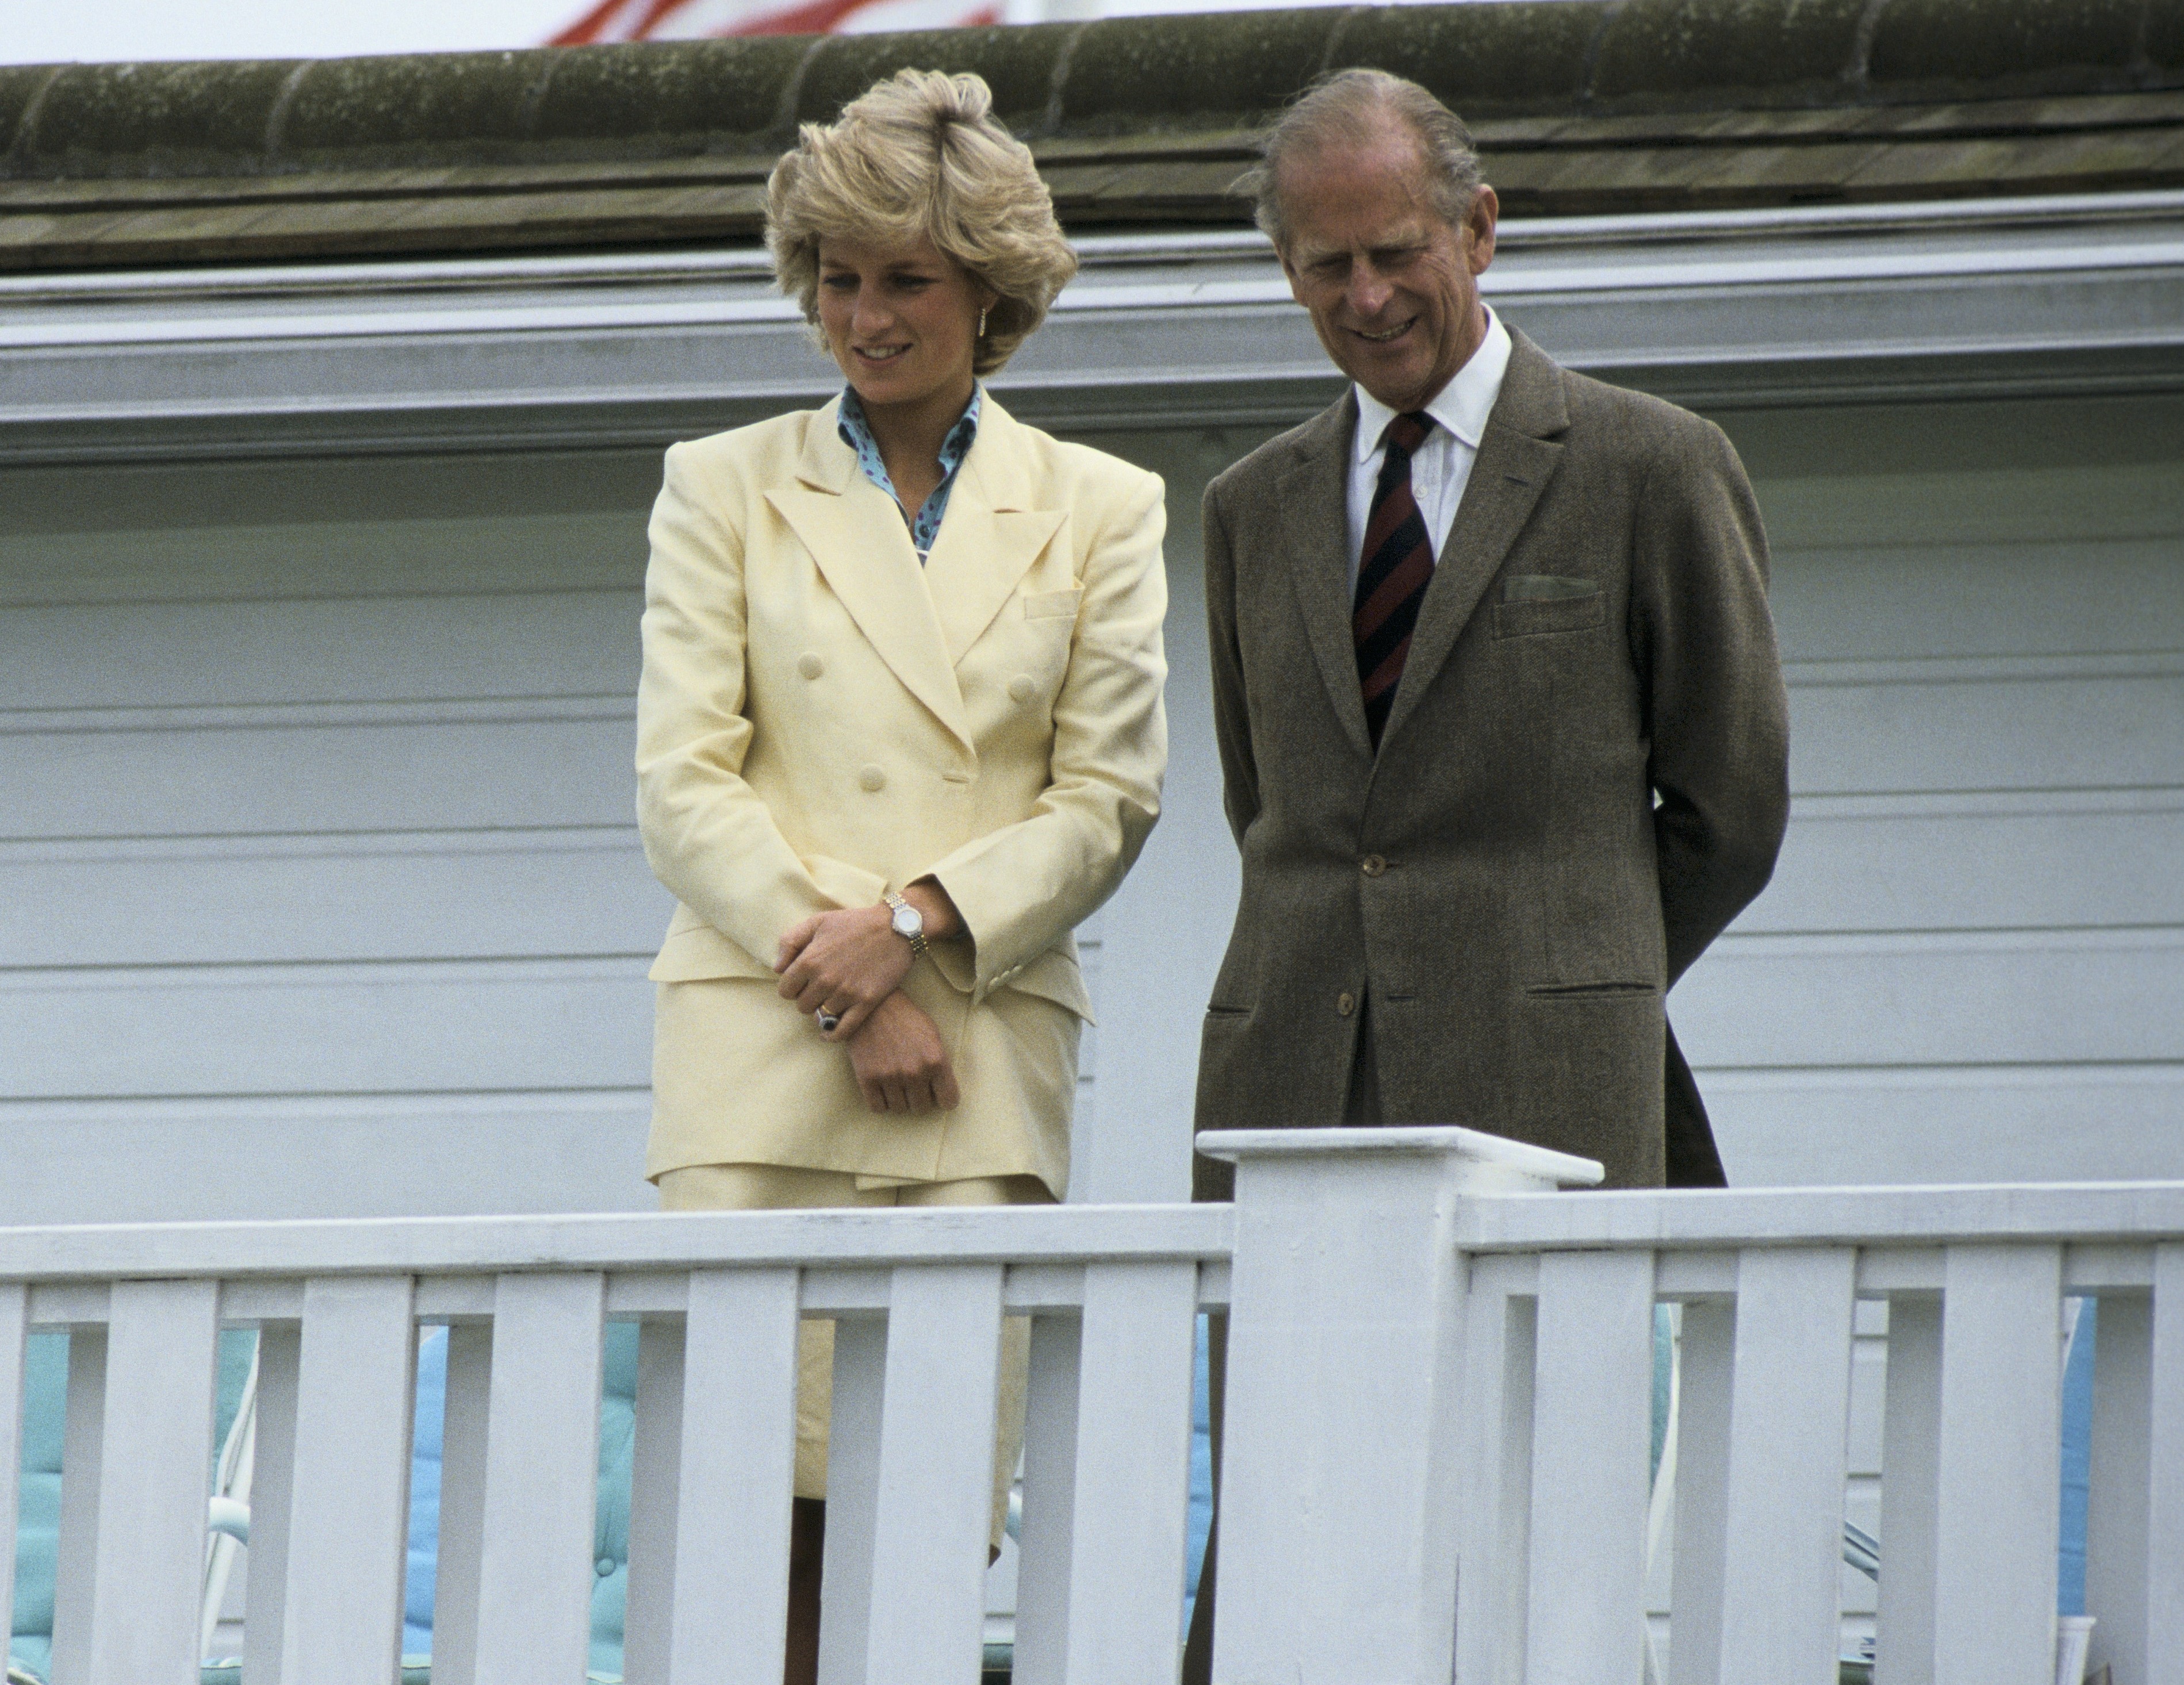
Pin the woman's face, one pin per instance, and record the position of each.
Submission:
(901, 320)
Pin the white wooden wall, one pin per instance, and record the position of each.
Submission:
(1970, 963)
(319, 893)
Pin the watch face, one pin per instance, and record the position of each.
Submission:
(907, 921)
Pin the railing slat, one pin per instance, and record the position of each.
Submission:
(2165, 1552)
(465, 1412)
(1051, 1397)
(731, 1598)
(1133, 1471)
(15, 1320)
(348, 1512)
(542, 1472)
(1997, 1502)
(1781, 1615)
(655, 1479)
(2134, 1532)
(1910, 1471)
(934, 1520)
(1494, 1520)
(2120, 1486)
(273, 1466)
(859, 1399)
(1704, 1389)
(154, 1477)
(1591, 1446)
(76, 1558)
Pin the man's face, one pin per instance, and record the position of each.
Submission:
(1393, 289)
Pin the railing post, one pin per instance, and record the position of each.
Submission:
(1338, 1529)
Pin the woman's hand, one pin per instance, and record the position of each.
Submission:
(846, 963)
(899, 1060)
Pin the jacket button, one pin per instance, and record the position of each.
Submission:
(1373, 865)
(1021, 688)
(810, 666)
(1346, 1002)
(871, 778)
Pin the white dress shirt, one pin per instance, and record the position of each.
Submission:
(1441, 466)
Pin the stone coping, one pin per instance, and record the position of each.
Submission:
(1581, 108)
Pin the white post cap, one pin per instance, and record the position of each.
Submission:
(1416, 1140)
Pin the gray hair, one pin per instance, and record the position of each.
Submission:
(1350, 105)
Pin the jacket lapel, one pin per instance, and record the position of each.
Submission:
(857, 537)
(1516, 458)
(1315, 537)
(991, 536)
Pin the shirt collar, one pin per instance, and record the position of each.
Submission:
(1462, 406)
(856, 431)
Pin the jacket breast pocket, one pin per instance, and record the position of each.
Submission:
(1051, 605)
(1533, 616)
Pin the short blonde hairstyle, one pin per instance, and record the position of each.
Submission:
(921, 157)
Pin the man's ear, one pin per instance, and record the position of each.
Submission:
(1289, 274)
(1478, 223)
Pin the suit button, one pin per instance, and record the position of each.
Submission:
(1373, 865)
(1346, 1002)
(871, 778)
(810, 666)
(1021, 688)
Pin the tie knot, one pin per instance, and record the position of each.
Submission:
(1406, 433)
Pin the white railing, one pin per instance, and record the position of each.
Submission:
(1437, 1447)
(1558, 1366)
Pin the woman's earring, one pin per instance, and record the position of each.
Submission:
(982, 324)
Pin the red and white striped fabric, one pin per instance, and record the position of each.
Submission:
(697, 19)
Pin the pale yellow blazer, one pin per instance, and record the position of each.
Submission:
(821, 720)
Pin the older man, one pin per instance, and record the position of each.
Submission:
(1500, 718)
(1501, 721)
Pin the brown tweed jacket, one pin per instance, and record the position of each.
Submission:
(1584, 779)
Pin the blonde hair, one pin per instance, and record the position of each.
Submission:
(921, 157)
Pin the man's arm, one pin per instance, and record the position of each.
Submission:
(1718, 716)
(1232, 718)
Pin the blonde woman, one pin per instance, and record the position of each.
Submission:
(899, 729)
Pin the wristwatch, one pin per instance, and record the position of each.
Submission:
(909, 923)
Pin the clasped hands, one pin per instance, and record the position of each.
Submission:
(851, 962)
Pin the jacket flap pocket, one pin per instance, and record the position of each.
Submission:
(1546, 588)
(1049, 606)
(699, 951)
(1526, 618)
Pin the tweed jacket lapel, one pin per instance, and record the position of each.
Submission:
(1315, 540)
(1516, 457)
(857, 537)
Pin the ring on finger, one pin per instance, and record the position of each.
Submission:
(828, 1021)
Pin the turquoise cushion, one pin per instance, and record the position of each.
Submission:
(38, 1532)
(611, 1537)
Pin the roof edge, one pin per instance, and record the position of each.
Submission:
(1171, 76)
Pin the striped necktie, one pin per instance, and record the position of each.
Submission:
(1393, 572)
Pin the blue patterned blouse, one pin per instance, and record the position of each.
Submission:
(857, 434)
